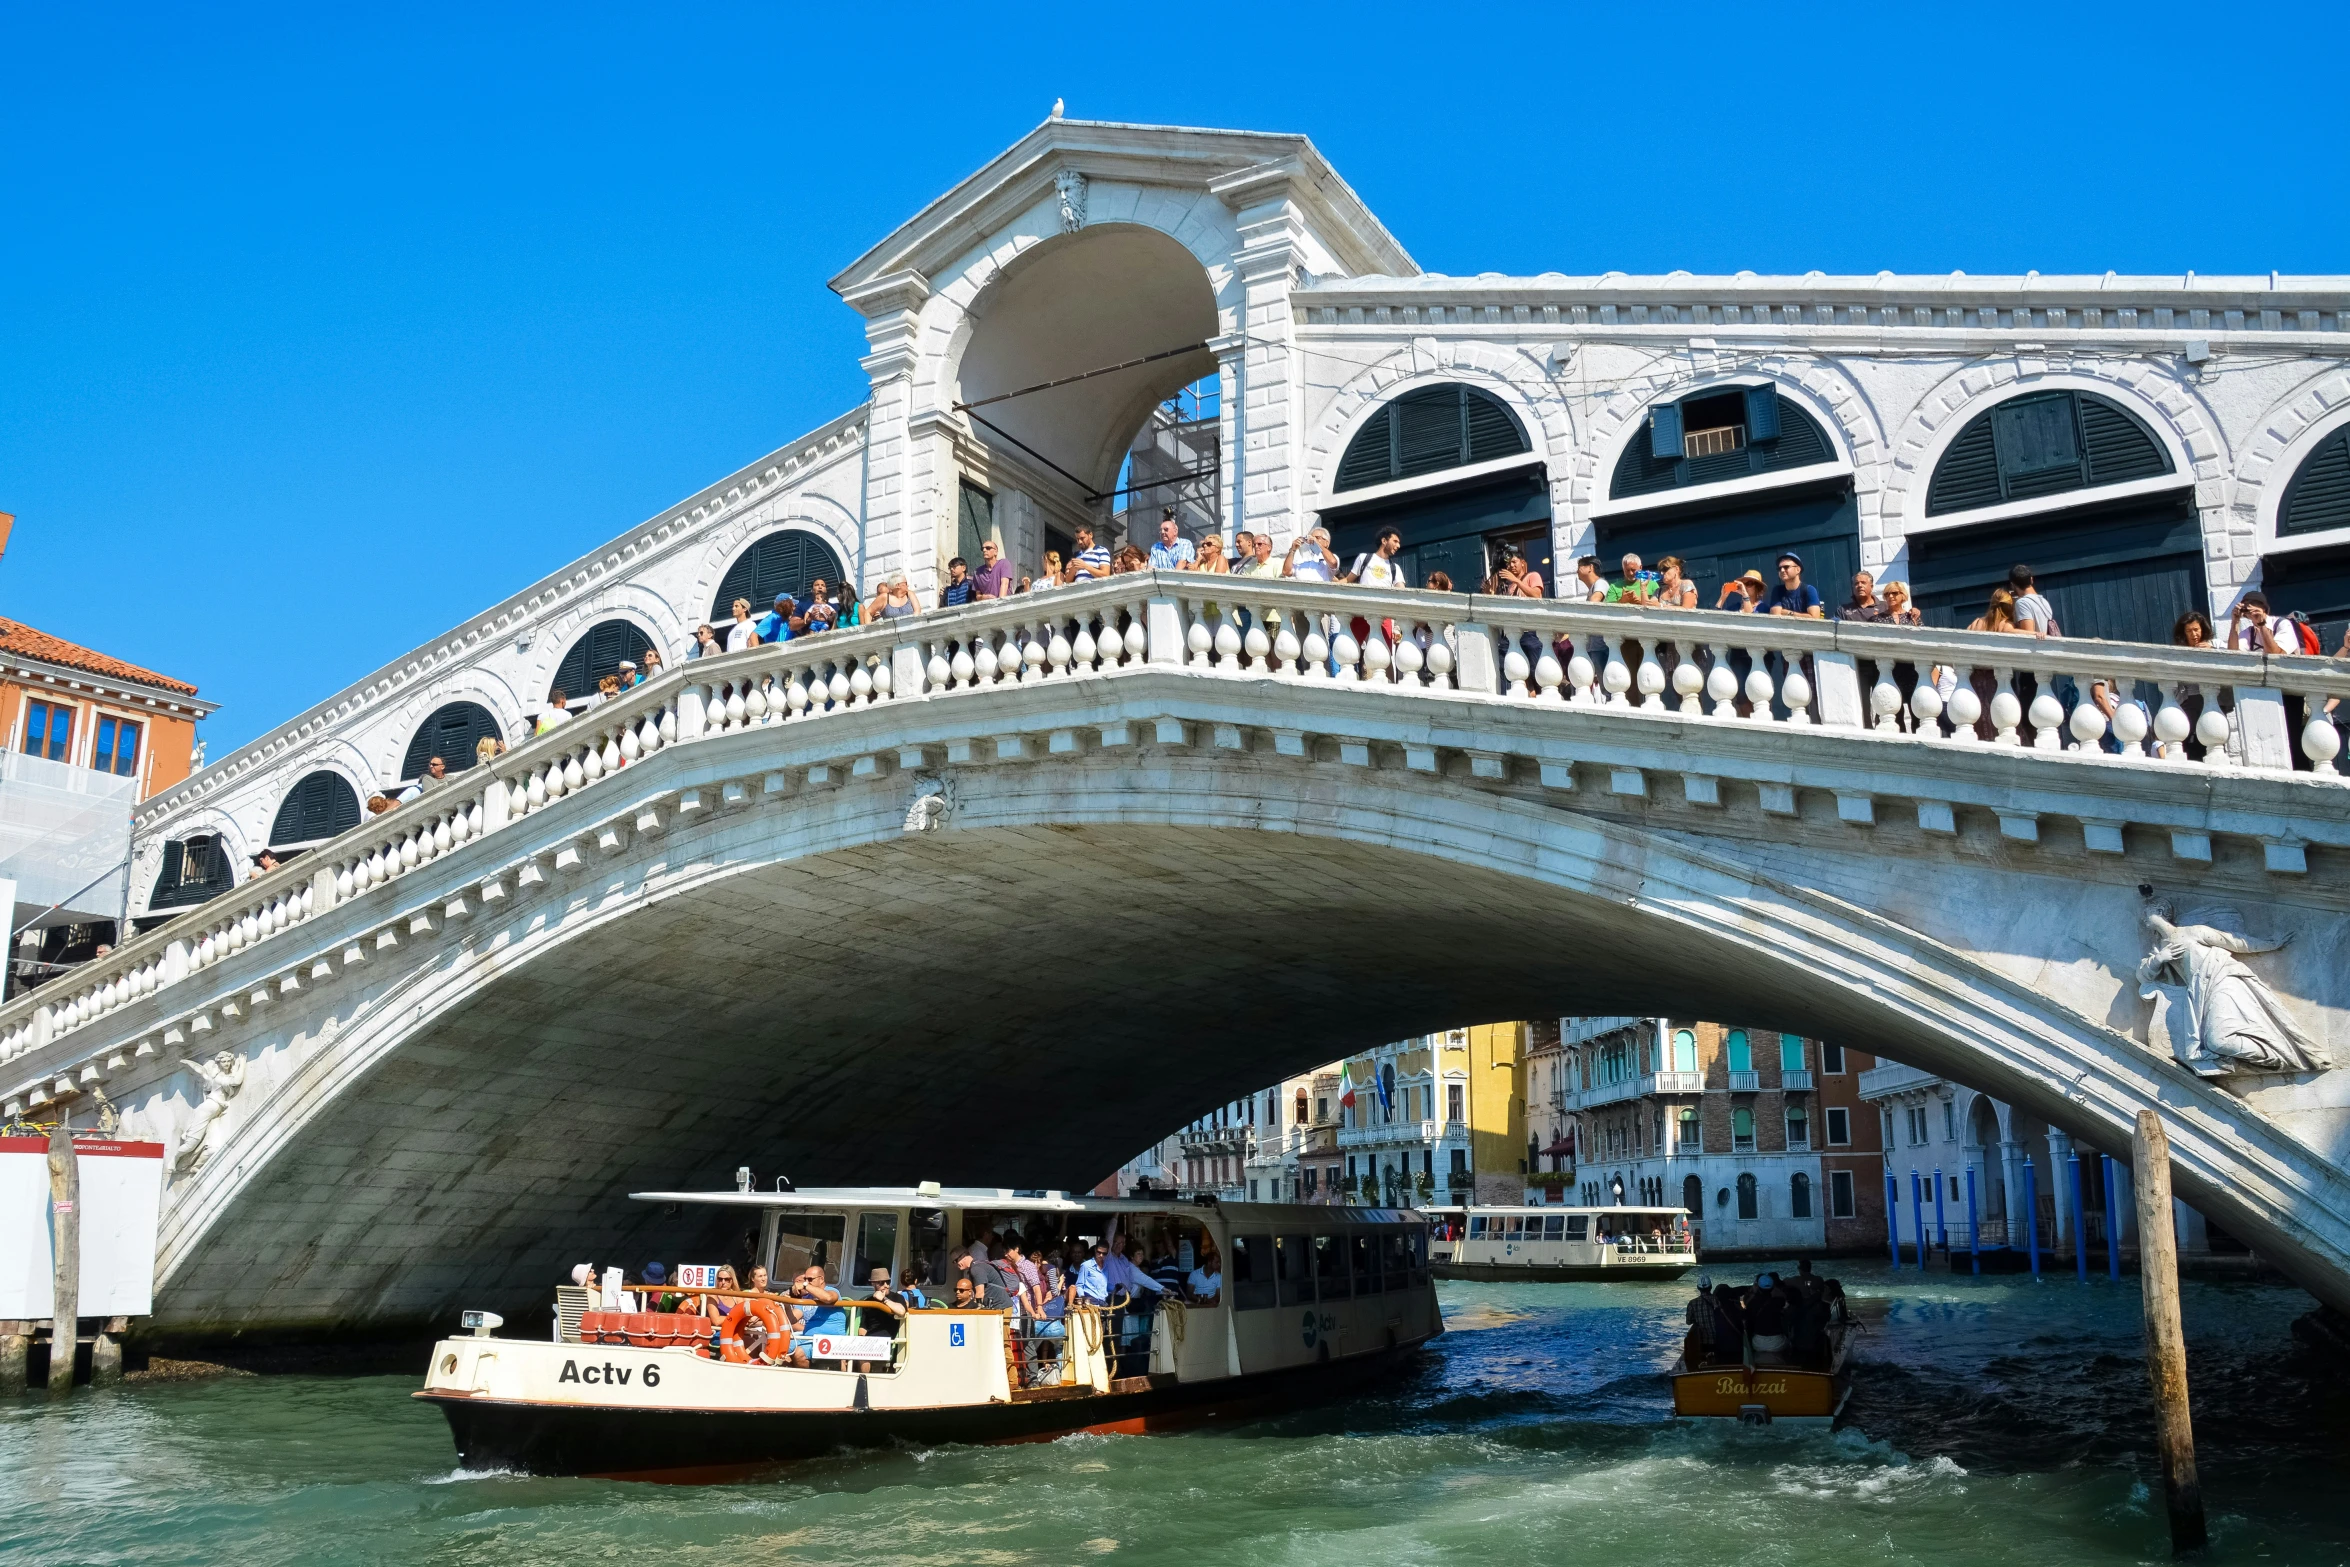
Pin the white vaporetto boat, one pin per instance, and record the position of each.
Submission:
(1556, 1244)
(1313, 1302)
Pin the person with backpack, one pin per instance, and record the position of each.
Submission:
(2252, 628)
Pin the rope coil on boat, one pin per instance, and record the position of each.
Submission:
(1176, 1311)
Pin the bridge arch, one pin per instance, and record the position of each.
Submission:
(785, 933)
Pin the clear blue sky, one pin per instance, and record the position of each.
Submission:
(320, 332)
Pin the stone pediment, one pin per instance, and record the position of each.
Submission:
(1030, 170)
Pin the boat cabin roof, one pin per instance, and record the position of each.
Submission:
(933, 1197)
(1654, 1213)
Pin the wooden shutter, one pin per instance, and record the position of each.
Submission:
(1429, 431)
(596, 655)
(451, 733)
(1493, 429)
(1968, 474)
(974, 524)
(2319, 494)
(1370, 456)
(2118, 446)
(319, 806)
(785, 561)
(1664, 432)
(1762, 413)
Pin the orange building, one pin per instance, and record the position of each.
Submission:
(65, 703)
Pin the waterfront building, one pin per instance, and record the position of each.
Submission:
(1720, 1119)
(1851, 1150)
(88, 736)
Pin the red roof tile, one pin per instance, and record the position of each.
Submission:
(21, 639)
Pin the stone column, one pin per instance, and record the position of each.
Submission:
(1263, 417)
(2060, 1146)
(893, 535)
(2011, 1176)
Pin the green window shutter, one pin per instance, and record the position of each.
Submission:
(319, 806)
(1968, 474)
(1664, 432)
(786, 561)
(2319, 494)
(451, 734)
(1493, 429)
(2118, 446)
(1762, 413)
(974, 524)
(1429, 434)
(599, 653)
(1370, 456)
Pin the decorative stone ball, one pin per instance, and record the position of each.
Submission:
(1198, 638)
(2171, 725)
(1688, 679)
(1440, 658)
(2129, 723)
(2321, 742)
(1795, 689)
(1721, 684)
(1966, 708)
(2087, 723)
(2006, 711)
(1514, 665)
(2212, 729)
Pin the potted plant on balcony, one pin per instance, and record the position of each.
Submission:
(1424, 1184)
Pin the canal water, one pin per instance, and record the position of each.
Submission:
(1995, 1421)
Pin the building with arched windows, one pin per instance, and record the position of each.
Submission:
(1106, 320)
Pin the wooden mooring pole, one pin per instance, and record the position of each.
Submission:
(2166, 1344)
(65, 1236)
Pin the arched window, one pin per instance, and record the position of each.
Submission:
(1301, 1108)
(1387, 1091)
(1748, 1207)
(786, 561)
(1740, 1051)
(1729, 432)
(596, 654)
(1684, 1050)
(1798, 1127)
(1427, 431)
(1799, 1195)
(450, 733)
(1790, 1052)
(193, 871)
(1742, 1131)
(2319, 495)
(315, 809)
(2043, 443)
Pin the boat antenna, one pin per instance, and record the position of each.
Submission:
(783, 1184)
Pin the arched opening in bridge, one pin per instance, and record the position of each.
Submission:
(2121, 569)
(1665, 496)
(1041, 462)
(453, 733)
(321, 805)
(2313, 577)
(1450, 467)
(789, 560)
(599, 651)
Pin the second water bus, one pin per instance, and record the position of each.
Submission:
(1549, 1245)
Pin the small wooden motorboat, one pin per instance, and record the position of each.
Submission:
(1771, 1391)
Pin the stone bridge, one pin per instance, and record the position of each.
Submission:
(997, 894)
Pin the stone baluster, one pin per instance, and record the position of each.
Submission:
(985, 665)
(1033, 653)
(2047, 712)
(1315, 649)
(1059, 652)
(1346, 651)
(1885, 699)
(836, 685)
(1689, 684)
(1136, 638)
(1649, 678)
(2007, 710)
(2321, 738)
(1759, 688)
(1378, 656)
(1444, 658)
(2131, 725)
(2213, 728)
(1721, 682)
(1256, 643)
(1616, 678)
(1574, 681)
(1410, 661)
(1229, 641)
(1795, 690)
(1288, 648)
(2087, 722)
(1516, 670)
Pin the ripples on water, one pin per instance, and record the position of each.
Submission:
(1995, 1421)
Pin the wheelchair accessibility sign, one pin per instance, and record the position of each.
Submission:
(955, 1335)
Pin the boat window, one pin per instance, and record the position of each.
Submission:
(1578, 1226)
(1477, 1227)
(1294, 1256)
(877, 1247)
(1395, 1263)
(807, 1240)
(926, 1247)
(1517, 1228)
(1419, 1255)
(1330, 1266)
(1366, 1258)
(1554, 1226)
(1253, 1285)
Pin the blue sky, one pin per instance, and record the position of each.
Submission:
(320, 332)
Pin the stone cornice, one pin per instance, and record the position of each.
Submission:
(671, 528)
(1023, 174)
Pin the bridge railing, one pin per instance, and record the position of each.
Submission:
(2243, 711)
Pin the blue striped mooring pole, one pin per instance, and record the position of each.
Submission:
(1917, 1203)
(2073, 1179)
(1974, 1225)
(2032, 1212)
(2113, 1228)
(1941, 1229)
(1893, 1218)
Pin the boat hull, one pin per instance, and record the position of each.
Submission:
(1558, 1273)
(1761, 1395)
(680, 1445)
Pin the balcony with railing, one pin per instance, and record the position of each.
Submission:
(1745, 1082)
(1679, 1083)
(1796, 1080)
(1893, 1078)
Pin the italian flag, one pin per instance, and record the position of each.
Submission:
(1346, 1086)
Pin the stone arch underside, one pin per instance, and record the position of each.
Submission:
(1087, 955)
(1083, 301)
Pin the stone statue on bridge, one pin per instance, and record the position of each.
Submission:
(221, 1076)
(2218, 1017)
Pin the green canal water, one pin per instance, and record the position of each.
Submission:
(1995, 1421)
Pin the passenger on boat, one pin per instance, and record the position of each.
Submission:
(1727, 1330)
(1808, 1330)
(717, 1303)
(910, 1290)
(1207, 1280)
(1767, 1321)
(1832, 1296)
(1092, 1285)
(817, 1305)
(1166, 1269)
(757, 1324)
(966, 1294)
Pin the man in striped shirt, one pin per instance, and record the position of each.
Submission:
(1091, 560)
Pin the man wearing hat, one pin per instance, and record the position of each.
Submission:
(1793, 595)
(775, 625)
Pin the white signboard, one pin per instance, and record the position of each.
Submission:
(121, 1194)
(844, 1346)
(697, 1275)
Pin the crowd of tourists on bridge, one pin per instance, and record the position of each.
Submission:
(1039, 1282)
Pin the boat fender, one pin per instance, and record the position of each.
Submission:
(864, 1396)
(1176, 1313)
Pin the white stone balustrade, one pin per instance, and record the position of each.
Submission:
(2243, 711)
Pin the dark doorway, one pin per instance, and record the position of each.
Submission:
(1458, 529)
(1719, 539)
(2123, 570)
